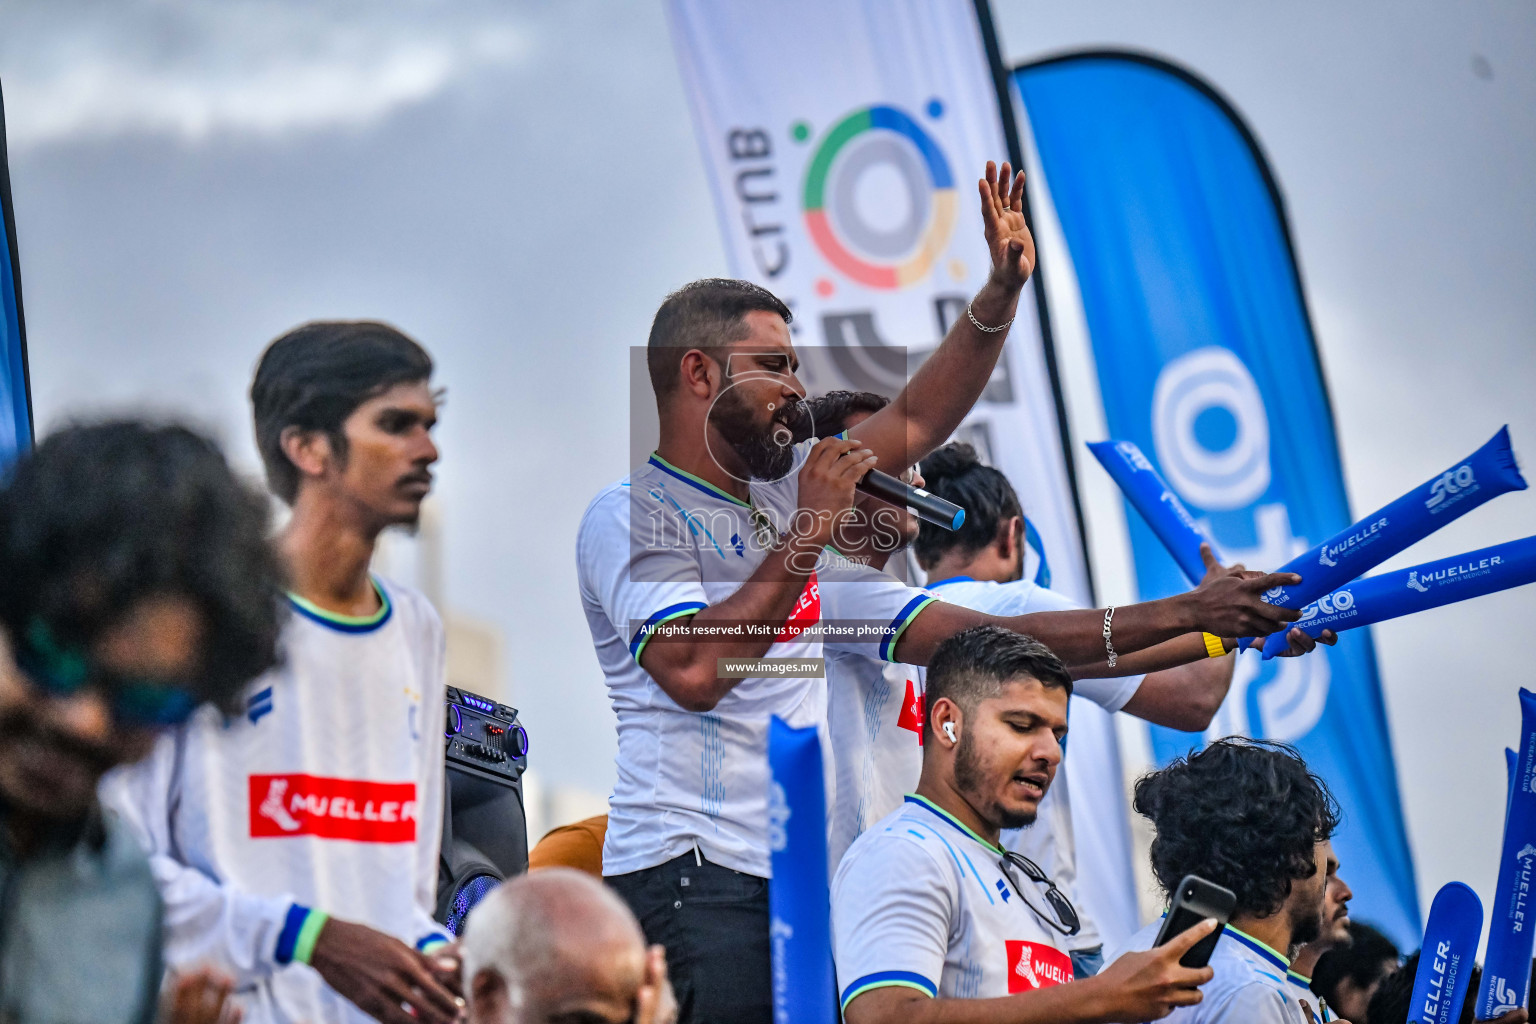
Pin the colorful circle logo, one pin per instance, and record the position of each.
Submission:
(880, 255)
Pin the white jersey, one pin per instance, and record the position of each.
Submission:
(1049, 842)
(662, 545)
(1301, 991)
(326, 795)
(875, 721)
(1250, 984)
(921, 901)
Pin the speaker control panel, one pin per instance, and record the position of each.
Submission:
(484, 734)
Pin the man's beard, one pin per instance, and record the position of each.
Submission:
(970, 779)
(1310, 927)
(768, 453)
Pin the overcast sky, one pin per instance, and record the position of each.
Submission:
(517, 185)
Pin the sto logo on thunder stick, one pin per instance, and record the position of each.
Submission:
(1485, 474)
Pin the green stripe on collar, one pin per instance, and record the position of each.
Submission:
(941, 812)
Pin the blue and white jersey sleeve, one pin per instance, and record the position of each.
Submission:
(207, 921)
(856, 594)
(891, 914)
(640, 569)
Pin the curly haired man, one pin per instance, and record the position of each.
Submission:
(1252, 817)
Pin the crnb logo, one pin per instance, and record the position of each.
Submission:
(1415, 583)
(1452, 481)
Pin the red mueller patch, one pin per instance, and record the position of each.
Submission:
(308, 805)
(1034, 965)
(805, 613)
(912, 712)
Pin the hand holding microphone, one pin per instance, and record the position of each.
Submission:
(929, 507)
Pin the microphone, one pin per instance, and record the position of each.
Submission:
(929, 507)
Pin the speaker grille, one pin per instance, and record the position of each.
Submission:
(465, 898)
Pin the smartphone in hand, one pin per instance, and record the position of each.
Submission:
(1193, 901)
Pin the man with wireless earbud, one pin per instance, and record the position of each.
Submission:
(932, 920)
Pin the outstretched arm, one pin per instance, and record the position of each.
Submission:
(1227, 606)
(948, 384)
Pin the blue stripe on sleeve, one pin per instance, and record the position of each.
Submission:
(289, 936)
(900, 622)
(887, 979)
(638, 641)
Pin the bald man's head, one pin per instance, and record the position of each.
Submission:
(553, 946)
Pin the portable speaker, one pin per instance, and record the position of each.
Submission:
(485, 832)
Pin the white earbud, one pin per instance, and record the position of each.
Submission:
(949, 730)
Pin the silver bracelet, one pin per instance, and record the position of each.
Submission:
(1109, 646)
(983, 327)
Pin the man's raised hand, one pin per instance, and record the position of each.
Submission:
(1009, 242)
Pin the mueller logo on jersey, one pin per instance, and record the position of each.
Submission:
(805, 614)
(308, 805)
(913, 710)
(1033, 965)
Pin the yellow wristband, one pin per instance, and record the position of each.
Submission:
(1214, 648)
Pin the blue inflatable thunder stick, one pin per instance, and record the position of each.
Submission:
(799, 901)
(1150, 495)
(1392, 594)
(1507, 964)
(1485, 474)
(1446, 958)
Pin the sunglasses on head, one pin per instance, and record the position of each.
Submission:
(64, 670)
(1063, 917)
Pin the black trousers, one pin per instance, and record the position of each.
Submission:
(714, 924)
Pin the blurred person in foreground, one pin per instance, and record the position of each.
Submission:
(296, 842)
(932, 920)
(1390, 1003)
(1347, 975)
(560, 947)
(1250, 816)
(136, 583)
